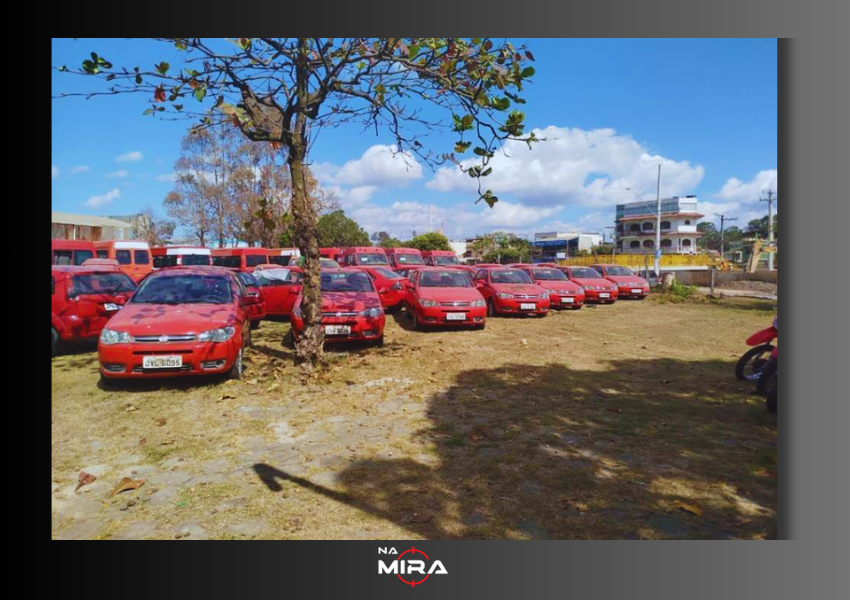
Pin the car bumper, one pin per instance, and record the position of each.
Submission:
(632, 292)
(122, 361)
(566, 301)
(593, 296)
(362, 329)
(512, 306)
(438, 315)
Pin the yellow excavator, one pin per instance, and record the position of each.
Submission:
(759, 246)
(718, 262)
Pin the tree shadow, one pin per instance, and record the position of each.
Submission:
(634, 451)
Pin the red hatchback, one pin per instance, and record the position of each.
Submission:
(84, 299)
(444, 296)
(511, 291)
(281, 286)
(597, 289)
(628, 284)
(563, 293)
(351, 308)
(256, 306)
(180, 321)
(390, 285)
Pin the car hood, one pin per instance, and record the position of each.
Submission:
(349, 301)
(593, 281)
(561, 286)
(530, 289)
(449, 294)
(156, 319)
(626, 279)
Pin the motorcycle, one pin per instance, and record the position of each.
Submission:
(753, 362)
(767, 383)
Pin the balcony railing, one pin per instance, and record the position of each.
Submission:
(672, 231)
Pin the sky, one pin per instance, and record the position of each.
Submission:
(610, 111)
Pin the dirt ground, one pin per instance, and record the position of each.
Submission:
(621, 421)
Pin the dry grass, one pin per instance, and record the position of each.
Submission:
(595, 428)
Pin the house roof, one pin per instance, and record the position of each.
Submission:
(87, 220)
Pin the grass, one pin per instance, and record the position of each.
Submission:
(594, 429)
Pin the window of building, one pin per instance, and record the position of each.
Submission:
(687, 221)
(648, 243)
(665, 224)
(686, 243)
(647, 226)
(666, 243)
(634, 244)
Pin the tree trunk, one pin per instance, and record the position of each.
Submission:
(305, 218)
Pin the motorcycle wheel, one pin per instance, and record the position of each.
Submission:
(755, 358)
(772, 393)
(767, 372)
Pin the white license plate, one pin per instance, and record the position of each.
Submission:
(527, 306)
(637, 291)
(604, 295)
(337, 329)
(162, 362)
(455, 316)
(567, 300)
(111, 306)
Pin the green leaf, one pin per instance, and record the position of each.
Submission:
(181, 44)
(91, 67)
(148, 112)
(487, 172)
(527, 72)
(162, 68)
(466, 121)
(178, 107)
(461, 147)
(139, 80)
(412, 51)
(200, 93)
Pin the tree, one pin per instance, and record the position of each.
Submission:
(502, 247)
(761, 226)
(156, 231)
(380, 236)
(710, 239)
(281, 90)
(392, 243)
(336, 230)
(430, 241)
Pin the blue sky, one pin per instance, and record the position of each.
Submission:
(611, 111)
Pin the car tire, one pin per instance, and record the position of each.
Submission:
(416, 324)
(106, 382)
(482, 326)
(379, 343)
(235, 371)
(408, 310)
(750, 355)
(57, 343)
(255, 324)
(491, 308)
(290, 340)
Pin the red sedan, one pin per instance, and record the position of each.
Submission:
(597, 289)
(511, 291)
(351, 308)
(390, 285)
(281, 286)
(628, 284)
(445, 296)
(257, 309)
(180, 321)
(563, 293)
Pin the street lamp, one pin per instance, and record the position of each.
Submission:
(657, 221)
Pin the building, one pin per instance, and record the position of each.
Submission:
(67, 226)
(559, 244)
(635, 226)
(459, 249)
(141, 224)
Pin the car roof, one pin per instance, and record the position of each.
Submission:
(79, 269)
(193, 270)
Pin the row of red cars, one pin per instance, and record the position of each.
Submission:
(196, 319)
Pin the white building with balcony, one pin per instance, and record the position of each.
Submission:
(636, 222)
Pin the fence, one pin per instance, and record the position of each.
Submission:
(637, 260)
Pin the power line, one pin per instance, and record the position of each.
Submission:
(723, 219)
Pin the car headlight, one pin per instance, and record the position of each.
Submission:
(426, 302)
(479, 303)
(505, 295)
(217, 335)
(545, 294)
(110, 336)
(552, 291)
(372, 313)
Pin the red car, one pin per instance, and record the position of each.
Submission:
(181, 321)
(281, 286)
(628, 284)
(563, 293)
(351, 308)
(597, 289)
(257, 309)
(84, 299)
(511, 291)
(445, 258)
(444, 296)
(388, 280)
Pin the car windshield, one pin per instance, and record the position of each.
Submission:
(372, 259)
(386, 273)
(444, 279)
(549, 274)
(247, 279)
(586, 273)
(103, 283)
(184, 289)
(512, 276)
(409, 259)
(346, 282)
(446, 260)
(620, 272)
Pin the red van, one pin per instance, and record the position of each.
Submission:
(240, 258)
(134, 257)
(72, 252)
(445, 258)
(404, 257)
(84, 299)
(331, 253)
(179, 256)
(365, 256)
(283, 256)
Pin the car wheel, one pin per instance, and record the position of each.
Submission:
(491, 309)
(749, 366)
(416, 324)
(290, 340)
(408, 310)
(106, 382)
(379, 343)
(767, 372)
(235, 371)
(482, 326)
(56, 343)
(255, 324)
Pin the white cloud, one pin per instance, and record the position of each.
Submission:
(380, 166)
(574, 166)
(55, 172)
(740, 199)
(81, 169)
(106, 198)
(170, 177)
(134, 156)
(118, 174)
(735, 190)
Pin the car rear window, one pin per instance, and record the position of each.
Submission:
(141, 257)
(164, 261)
(226, 261)
(184, 289)
(279, 260)
(346, 282)
(444, 279)
(549, 274)
(252, 260)
(101, 283)
(510, 276)
(192, 260)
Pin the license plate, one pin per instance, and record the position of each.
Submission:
(337, 329)
(111, 306)
(567, 300)
(637, 291)
(455, 316)
(162, 362)
(527, 306)
(604, 295)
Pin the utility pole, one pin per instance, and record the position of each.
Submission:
(658, 225)
(723, 219)
(770, 198)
